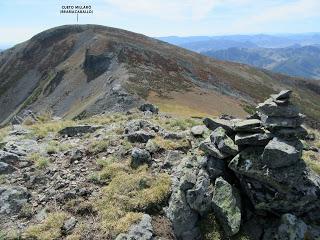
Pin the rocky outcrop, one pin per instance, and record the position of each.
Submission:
(78, 130)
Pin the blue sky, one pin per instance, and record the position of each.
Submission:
(21, 19)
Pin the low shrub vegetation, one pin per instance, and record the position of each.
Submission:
(168, 144)
(41, 130)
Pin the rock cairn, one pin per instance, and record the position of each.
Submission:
(259, 157)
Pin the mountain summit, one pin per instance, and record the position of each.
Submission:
(81, 70)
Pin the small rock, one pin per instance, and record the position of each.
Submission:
(9, 158)
(210, 149)
(227, 206)
(69, 225)
(140, 136)
(140, 157)
(224, 143)
(6, 168)
(188, 179)
(12, 199)
(148, 107)
(198, 131)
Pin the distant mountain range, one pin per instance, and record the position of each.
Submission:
(295, 61)
(291, 54)
(207, 43)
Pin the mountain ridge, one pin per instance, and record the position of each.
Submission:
(81, 70)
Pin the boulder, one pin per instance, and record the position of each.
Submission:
(198, 131)
(272, 109)
(199, 198)
(215, 167)
(78, 130)
(174, 135)
(140, 157)
(292, 228)
(148, 107)
(282, 122)
(9, 158)
(188, 179)
(6, 168)
(260, 139)
(226, 204)
(224, 143)
(249, 125)
(210, 149)
(143, 230)
(212, 124)
(183, 218)
(283, 95)
(140, 124)
(140, 136)
(12, 199)
(282, 153)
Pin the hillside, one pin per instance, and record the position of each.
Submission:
(294, 61)
(146, 175)
(80, 70)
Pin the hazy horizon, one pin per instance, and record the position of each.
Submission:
(21, 19)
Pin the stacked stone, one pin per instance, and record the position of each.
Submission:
(269, 165)
(265, 153)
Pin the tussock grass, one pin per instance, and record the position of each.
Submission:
(55, 147)
(129, 193)
(39, 160)
(168, 144)
(41, 130)
(3, 133)
(212, 230)
(49, 229)
(312, 159)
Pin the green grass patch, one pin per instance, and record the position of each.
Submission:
(3, 133)
(41, 130)
(39, 160)
(49, 229)
(128, 195)
(312, 159)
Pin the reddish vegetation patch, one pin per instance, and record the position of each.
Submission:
(198, 103)
(162, 228)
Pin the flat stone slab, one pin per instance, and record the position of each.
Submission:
(281, 153)
(282, 122)
(212, 124)
(272, 109)
(140, 136)
(247, 125)
(254, 139)
(284, 94)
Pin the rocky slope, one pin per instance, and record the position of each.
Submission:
(80, 70)
(147, 175)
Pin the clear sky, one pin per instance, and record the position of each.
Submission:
(21, 19)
